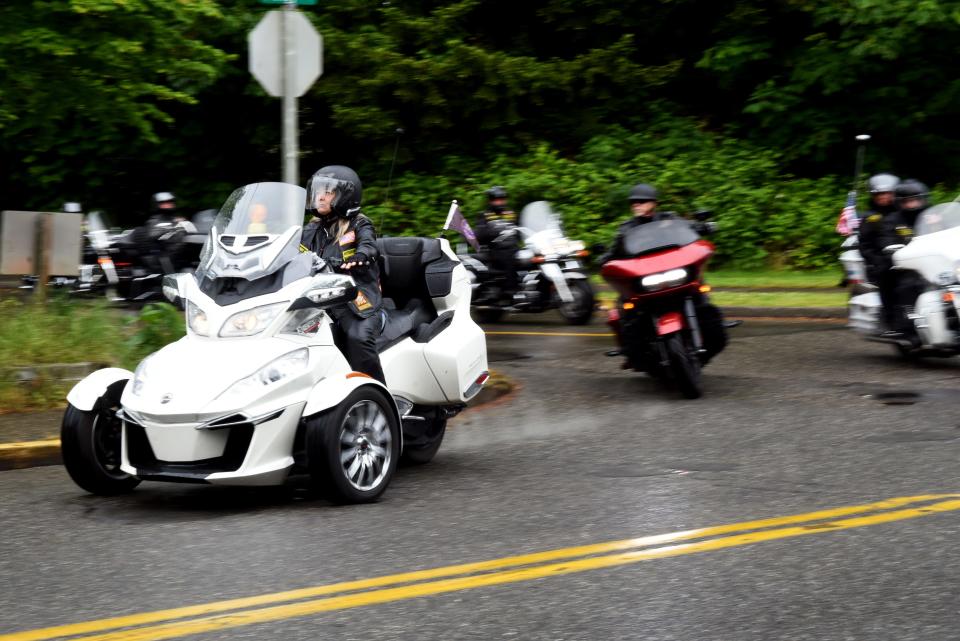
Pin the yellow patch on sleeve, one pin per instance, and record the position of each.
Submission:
(348, 253)
(361, 302)
(303, 248)
(874, 218)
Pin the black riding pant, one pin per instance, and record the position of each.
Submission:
(358, 342)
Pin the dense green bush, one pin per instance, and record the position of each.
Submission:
(767, 218)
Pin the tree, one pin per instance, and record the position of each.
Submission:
(87, 83)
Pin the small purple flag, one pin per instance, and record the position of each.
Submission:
(458, 223)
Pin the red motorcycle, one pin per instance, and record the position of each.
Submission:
(664, 322)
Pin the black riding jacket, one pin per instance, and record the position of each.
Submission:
(360, 238)
(616, 249)
(880, 230)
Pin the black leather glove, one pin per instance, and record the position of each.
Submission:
(359, 262)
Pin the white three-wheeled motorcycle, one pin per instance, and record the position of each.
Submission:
(259, 389)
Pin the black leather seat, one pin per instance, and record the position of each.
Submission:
(412, 272)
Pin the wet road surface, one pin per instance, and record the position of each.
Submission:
(798, 418)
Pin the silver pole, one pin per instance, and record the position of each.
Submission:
(291, 172)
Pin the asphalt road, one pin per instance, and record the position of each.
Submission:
(797, 419)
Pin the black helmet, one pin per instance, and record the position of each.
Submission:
(345, 185)
(910, 190)
(642, 192)
(163, 201)
(496, 192)
(881, 183)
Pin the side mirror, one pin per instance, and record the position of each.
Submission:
(173, 289)
(890, 249)
(702, 215)
(327, 290)
(598, 248)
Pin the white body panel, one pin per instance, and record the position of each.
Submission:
(87, 392)
(931, 254)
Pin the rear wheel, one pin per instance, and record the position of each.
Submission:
(684, 367)
(425, 448)
(578, 311)
(90, 443)
(489, 315)
(353, 448)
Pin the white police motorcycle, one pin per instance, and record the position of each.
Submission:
(933, 258)
(549, 271)
(258, 388)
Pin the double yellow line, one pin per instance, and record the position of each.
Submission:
(221, 615)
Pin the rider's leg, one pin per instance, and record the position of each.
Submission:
(360, 346)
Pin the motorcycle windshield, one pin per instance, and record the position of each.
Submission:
(539, 216)
(938, 218)
(256, 232)
(97, 231)
(658, 235)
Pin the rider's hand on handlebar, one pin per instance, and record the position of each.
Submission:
(359, 262)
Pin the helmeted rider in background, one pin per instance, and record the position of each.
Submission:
(159, 240)
(895, 227)
(643, 207)
(497, 233)
(342, 235)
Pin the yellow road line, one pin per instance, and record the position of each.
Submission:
(54, 442)
(546, 334)
(504, 568)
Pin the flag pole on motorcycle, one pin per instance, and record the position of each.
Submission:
(458, 223)
(849, 221)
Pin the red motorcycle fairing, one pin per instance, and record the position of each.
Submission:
(661, 261)
(669, 323)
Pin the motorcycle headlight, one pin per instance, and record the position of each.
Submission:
(197, 320)
(251, 321)
(273, 372)
(140, 377)
(663, 280)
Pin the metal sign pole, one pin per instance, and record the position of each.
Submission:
(291, 173)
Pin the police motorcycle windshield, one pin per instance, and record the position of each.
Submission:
(256, 232)
(659, 235)
(539, 216)
(938, 218)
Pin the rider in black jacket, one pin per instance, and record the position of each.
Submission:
(643, 205)
(881, 230)
(342, 235)
(496, 230)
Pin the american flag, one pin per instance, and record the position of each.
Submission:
(849, 220)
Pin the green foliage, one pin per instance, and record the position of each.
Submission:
(767, 218)
(158, 324)
(60, 332)
(68, 331)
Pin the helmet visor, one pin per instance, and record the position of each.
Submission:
(327, 190)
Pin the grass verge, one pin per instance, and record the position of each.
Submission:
(769, 279)
(762, 299)
(71, 331)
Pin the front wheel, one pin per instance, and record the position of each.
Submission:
(684, 367)
(578, 311)
(352, 449)
(90, 443)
